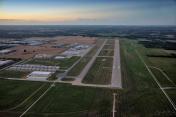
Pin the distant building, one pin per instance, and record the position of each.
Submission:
(5, 62)
(76, 50)
(6, 51)
(31, 67)
(43, 56)
(39, 75)
(59, 57)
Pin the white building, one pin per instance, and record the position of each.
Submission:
(59, 57)
(31, 67)
(5, 62)
(39, 75)
(6, 51)
(43, 56)
(77, 50)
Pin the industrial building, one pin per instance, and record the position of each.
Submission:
(43, 56)
(30, 67)
(39, 75)
(76, 50)
(5, 62)
(59, 57)
(6, 51)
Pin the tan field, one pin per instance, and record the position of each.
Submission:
(74, 39)
(26, 52)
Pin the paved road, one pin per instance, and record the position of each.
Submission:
(116, 70)
(87, 67)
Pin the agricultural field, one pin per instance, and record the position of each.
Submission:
(75, 71)
(13, 74)
(100, 72)
(139, 88)
(64, 64)
(62, 100)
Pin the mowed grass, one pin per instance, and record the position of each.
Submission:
(141, 96)
(100, 72)
(67, 100)
(157, 52)
(168, 65)
(32, 98)
(14, 92)
(63, 100)
(64, 64)
(161, 78)
(13, 74)
(172, 94)
(75, 71)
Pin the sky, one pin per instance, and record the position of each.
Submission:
(87, 12)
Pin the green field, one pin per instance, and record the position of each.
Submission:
(13, 74)
(14, 92)
(75, 71)
(157, 52)
(141, 96)
(62, 100)
(68, 79)
(168, 65)
(64, 64)
(66, 99)
(161, 78)
(171, 93)
(100, 72)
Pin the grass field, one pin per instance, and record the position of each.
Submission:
(100, 72)
(157, 52)
(161, 78)
(64, 64)
(13, 74)
(63, 100)
(66, 99)
(168, 65)
(171, 93)
(75, 71)
(141, 95)
(13, 92)
(68, 79)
